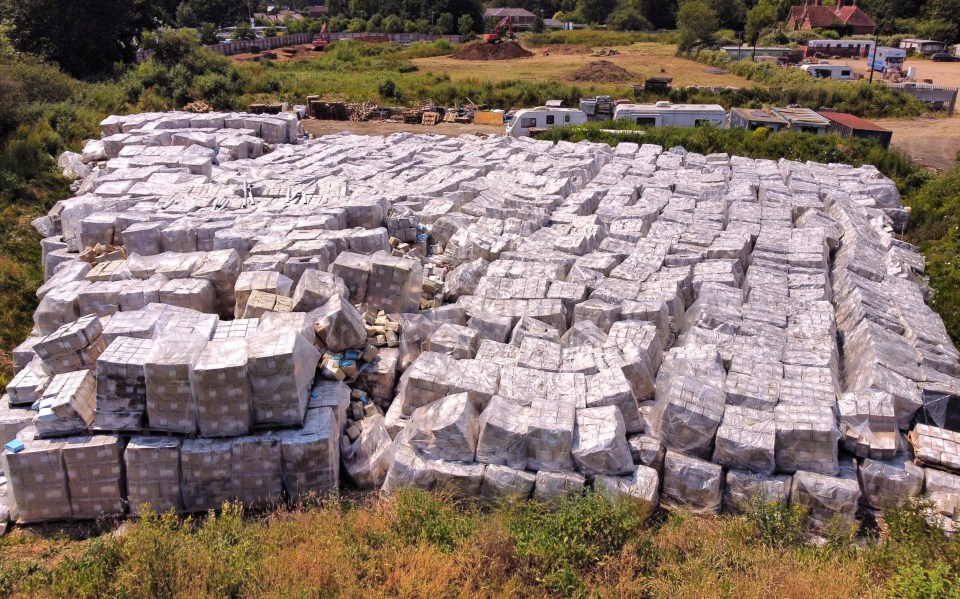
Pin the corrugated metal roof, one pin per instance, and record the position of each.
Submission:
(854, 122)
(756, 114)
(801, 115)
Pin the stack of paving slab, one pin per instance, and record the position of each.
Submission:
(697, 331)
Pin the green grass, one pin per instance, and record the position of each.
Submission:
(416, 544)
(595, 38)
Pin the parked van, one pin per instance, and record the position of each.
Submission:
(665, 114)
(886, 58)
(829, 71)
(543, 117)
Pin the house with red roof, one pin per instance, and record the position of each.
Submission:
(814, 15)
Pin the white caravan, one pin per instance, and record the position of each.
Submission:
(829, 71)
(543, 117)
(665, 114)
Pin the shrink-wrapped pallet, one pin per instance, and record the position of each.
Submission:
(37, 480)
(378, 377)
(152, 467)
(550, 433)
(454, 340)
(339, 326)
(743, 490)
(367, 459)
(222, 269)
(600, 443)
(311, 455)
(807, 438)
(611, 387)
(171, 404)
(394, 284)
(686, 414)
(268, 282)
(206, 474)
(459, 479)
(826, 497)
(888, 483)
(502, 435)
(257, 472)
(647, 451)
(95, 476)
(692, 483)
(315, 288)
(868, 426)
(446, 429)
(643, 483)
(506, 482)
(221, 388)
(745, 440)
(68, 405)
(354, 270)
(331, 394)
(408, 469)
(121, 384)
(73, 346)
(280, 368)
(557, 485)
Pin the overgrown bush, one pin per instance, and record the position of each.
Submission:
(776, 523)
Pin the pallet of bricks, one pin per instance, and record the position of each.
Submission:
(650, 322)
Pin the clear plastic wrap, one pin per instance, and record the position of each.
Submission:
(745, 440)
(686, 414)
(206, 474)
(367, 459)
(692, 483)
(446, 429)
(152, 468)
(643, 483)
(868, 426)
(95, 476)
(743, 489)
(506, 482)
(171, 404)
(600, 443)
(556, 485)
(221, 388)
(37, 480)
(281, 365)
(339, 326)
(827, 496)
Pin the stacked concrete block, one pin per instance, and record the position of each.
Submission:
(446, 429)
(504, 482)
(806, 439)
(943, 490)
(550, 430)
(454, 340)
(280, 368)
(692, 483)
(222, 391)
(743, 490)
(314, 288)
(121, 384)
(311, 456)
(206, 474)
(37, 480)
(95, 477)
(745, 440)
(68, 405)
(27, 386)
(643, 483)
(13, 420)
(687, 414)
(74, 346)
(339, 326)
(171, 404)
(367, 459)
(888, 483)
(152, 467)
(600, 443)
(827, 497)
(268, 282)
(257, 469)
(868, 426)
(936, 446)
(549, 486)
(502, 437)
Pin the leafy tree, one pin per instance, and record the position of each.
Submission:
(191, 13)
(393, 24)
(627, 19)
(539, 26)
(662, 14)
(208, 34)
(243, 31)
(270, 31)
(730, 13)
(446, 23)
(760, 17)
(84, 38)
(356, 25)
(596, 11)
(696, 22)
(943, 10)
(466, 25)
(375, 23)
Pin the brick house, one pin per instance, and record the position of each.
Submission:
(814, 15)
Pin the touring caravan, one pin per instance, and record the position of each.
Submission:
(665, 114)
(887, 58)
(543, 117)
(829, 71)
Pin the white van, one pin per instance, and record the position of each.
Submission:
(543, 117)
(829, 71)
(665, 114)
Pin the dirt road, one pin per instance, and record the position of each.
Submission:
(319, 128)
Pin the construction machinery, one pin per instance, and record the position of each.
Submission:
(322, 40)
(494, 36)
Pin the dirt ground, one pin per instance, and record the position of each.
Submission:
(319, 128)
(643, 60)
(932, 142)
(301, 52)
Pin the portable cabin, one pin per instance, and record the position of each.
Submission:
(838, 48)
(529, 120)
(847, 126)
(744, 52)
(665, 114)
(803, 120)
(924, 47)
(753, 118)
(886, 58)
(829, 71)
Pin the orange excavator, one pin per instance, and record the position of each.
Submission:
(494, 36)
(322, 40)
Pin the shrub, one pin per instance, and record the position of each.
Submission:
(389, 90)
(914, 581)
(422, 516)
(777, 524)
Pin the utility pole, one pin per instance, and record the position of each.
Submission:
(870, 63)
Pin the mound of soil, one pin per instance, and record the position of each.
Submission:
(501, 51)
(603, 71)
